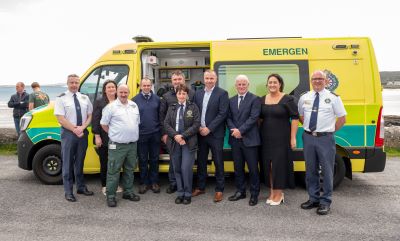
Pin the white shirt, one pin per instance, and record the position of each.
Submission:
(123, 121)
(207, 95)
(65, 106)
(330, 107)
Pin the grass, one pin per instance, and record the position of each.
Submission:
(392, 152)
(8, 149)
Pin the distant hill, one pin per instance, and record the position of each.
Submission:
(390, 78)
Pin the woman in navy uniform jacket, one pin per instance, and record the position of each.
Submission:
(181, 124)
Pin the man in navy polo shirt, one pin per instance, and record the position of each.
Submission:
(149, 136)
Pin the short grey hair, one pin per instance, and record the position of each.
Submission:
(320, 72)
(242, 77)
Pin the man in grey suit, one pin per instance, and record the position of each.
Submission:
(244, 109)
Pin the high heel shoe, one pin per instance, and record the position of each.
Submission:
(272, 203)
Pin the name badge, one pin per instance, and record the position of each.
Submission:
(112, 147)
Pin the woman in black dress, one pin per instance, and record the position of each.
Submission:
(109, 94)
(279, 117)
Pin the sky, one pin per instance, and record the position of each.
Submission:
(45, 40)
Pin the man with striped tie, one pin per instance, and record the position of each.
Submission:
(322, 113)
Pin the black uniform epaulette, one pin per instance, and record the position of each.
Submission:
(305, 92)
(333, 93)
(61, 95)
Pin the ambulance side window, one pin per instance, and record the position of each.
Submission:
(294, 74)
(92, 86)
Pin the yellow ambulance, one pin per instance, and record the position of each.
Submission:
(350, 65)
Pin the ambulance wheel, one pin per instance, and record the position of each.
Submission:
(340, 171)
(338, 175)
(47, 164)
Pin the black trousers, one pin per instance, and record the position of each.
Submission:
(206, 143)
(241, 155)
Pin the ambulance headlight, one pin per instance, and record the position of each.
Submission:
(25, 120)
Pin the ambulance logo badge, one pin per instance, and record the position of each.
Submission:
(333, 81)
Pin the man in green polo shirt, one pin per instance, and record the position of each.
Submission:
(37, 97)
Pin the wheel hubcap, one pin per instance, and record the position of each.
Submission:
(52, 165)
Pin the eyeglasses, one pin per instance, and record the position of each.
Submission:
(317, 79)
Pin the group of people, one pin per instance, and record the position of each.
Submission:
(190, 123)
(22, 102)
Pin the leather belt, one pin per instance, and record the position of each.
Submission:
(117, 143)
(317, 134)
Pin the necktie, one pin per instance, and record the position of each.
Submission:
(146, 96)
(240, 101)
(180, 123)
(314, 113)
(78, 111)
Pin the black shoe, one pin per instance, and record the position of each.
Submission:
(111, 202)
(85, 192)
(171, 189)
(143, 189)
(131, 197)
(70, 197)
(309, 205)
(253, 200)
(237, 196)
(155, 188)
(179, 200)
(323, 209)
(187, 200)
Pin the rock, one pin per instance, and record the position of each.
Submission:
(392, 136)
(392, 120)
(8, 136)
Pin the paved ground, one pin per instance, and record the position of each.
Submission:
(367, 208)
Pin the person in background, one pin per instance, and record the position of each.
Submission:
(149, 137)
(213, 103)
(181, 125)
(322, 113)
(121, 121)
(19, 101)
(37, 97)
(109, 94)
(74, 113)
(167, 99)
(280, 119)
(244, 109)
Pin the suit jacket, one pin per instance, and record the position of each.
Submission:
(245, 119)
(217, 110)
(191, 123)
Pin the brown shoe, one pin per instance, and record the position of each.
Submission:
(197, 192)
(143, 189)
(218, 197)
(155, 188)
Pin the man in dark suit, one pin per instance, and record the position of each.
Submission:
(244, 109)
(213, 105)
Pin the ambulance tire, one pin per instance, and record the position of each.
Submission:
(47, 164)
(338, 176)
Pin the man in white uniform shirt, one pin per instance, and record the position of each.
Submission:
(120, 119)
(322, 113)
(74, 113)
